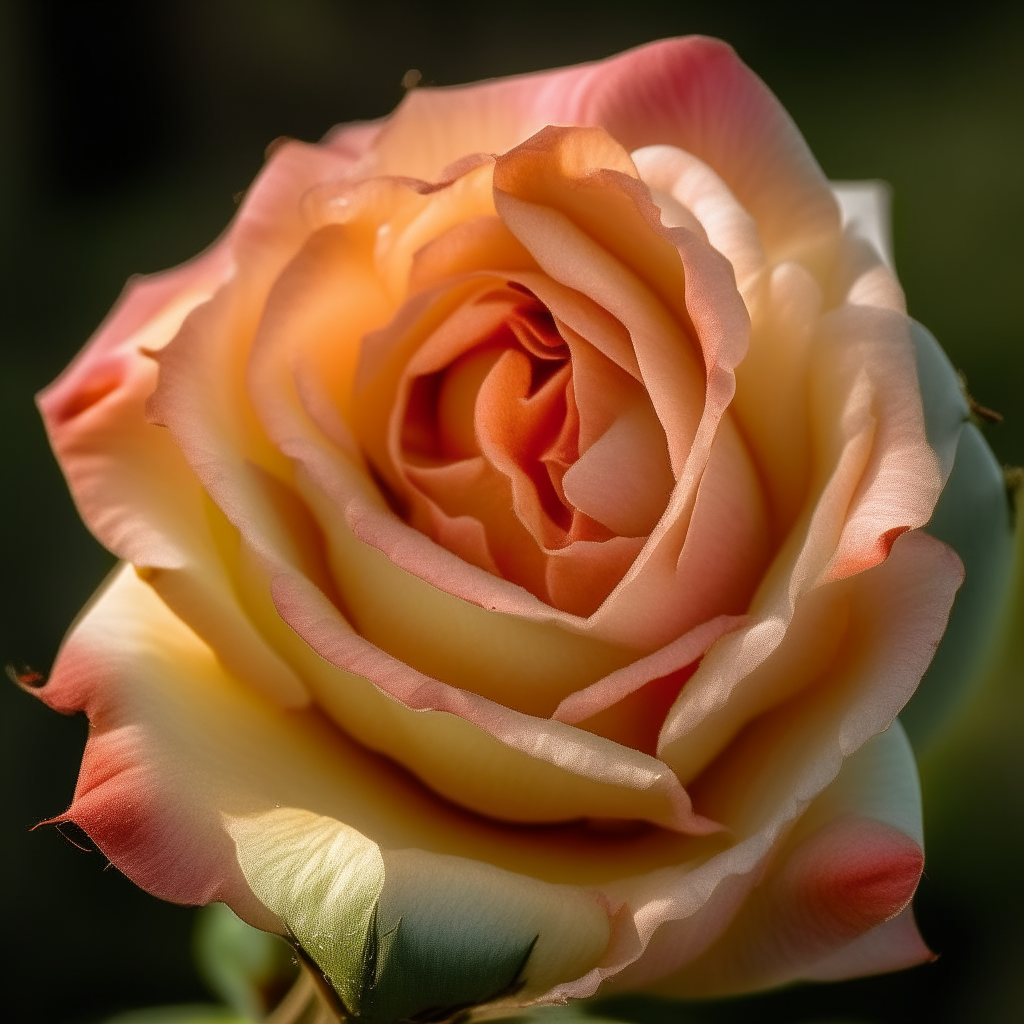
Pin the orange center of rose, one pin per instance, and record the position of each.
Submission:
(516, 442)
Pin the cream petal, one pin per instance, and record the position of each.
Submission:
(682, 185)
(833, 903)
(761, 667)
(480, 754)
(200, 790)
(605, 693)
(866, 209)
(774, 771)
(771, 405)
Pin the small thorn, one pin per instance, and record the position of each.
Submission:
(978, 411)
(983, 412)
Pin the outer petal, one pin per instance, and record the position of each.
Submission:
(693, 93)
(867, 214)
(876, 476)
(770, 773)
(832, 903)
(200, 790)
(126, 475)
(131, 482)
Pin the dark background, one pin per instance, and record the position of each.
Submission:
(125, 131)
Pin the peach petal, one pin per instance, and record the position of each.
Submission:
(623, 479)
(467, 507)
(634, 608)
(894, 945)
(160, 840)
(579, 575)
(315, 313)
(603, 391)
(691, 93)
(839, 885)
(813, 908)
(902, 481)
(686, 188)
(353, 140)
(475, 244)
(767, 671)
(866, 370)
(437, 327)
(93, 415)
(216, 414)
(132, 485)
(727, 546)
(568, 254)
(514, 428)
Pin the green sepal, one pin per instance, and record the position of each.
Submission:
(420, 973)
(972, 517)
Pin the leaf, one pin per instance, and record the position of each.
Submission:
(249, 969)
(185, 1014)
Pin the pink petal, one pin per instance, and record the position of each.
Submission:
(692, 93)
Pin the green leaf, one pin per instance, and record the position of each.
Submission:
(249, 969)
(185, 1014)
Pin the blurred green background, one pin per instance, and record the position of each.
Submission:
(125, 131)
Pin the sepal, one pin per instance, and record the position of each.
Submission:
(973, 518)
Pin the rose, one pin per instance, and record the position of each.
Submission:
(520, 508)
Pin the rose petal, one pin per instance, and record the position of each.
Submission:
(495, 760)
(132, 485)
(200, 790)
(772, 772)
(581, 223)
(832, 903)
(692, 93)
(875, 478)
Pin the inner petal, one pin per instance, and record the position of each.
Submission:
(515, 427)
(516, 441)
(623, 480)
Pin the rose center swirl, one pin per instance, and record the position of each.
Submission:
(514, 441)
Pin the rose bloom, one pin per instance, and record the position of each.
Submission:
(520, 516)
